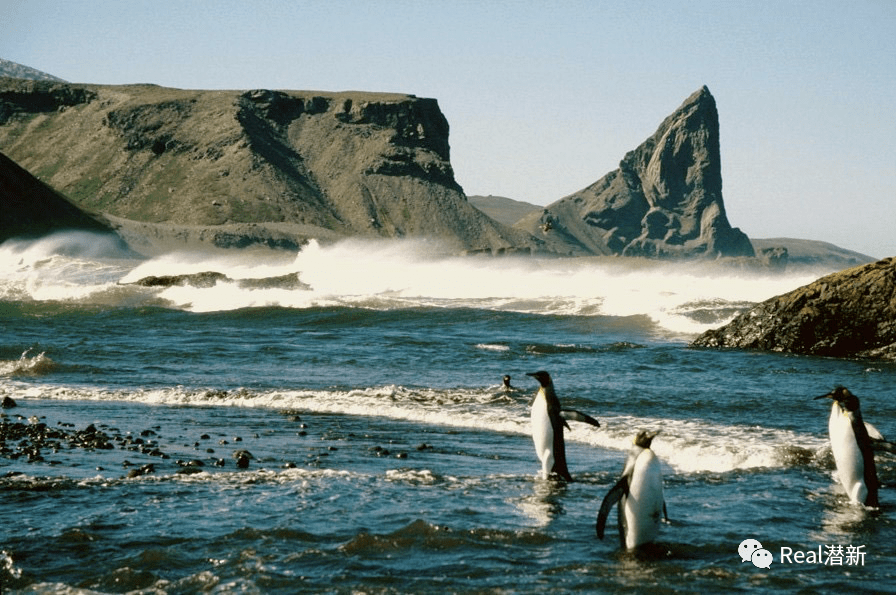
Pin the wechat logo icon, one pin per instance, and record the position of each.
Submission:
(751, 550)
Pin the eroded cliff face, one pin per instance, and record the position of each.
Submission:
(847, 314)
(346, 163)
(665, 200)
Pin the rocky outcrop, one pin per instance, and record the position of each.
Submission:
(665, 200)
(211, 278)
(847, 314)
(28, 207)
(343, 164)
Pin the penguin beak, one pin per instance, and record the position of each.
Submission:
(834, 395)
(839, 394)
(543, 378)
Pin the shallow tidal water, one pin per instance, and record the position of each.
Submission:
(380, 453)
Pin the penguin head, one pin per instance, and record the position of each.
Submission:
(506, 381)
(644, 438)
(844, 398)
(543, 378)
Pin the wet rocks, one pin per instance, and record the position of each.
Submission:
(141, 471)
(8, 403)
(380, 451)
(851, 313)
(92, 438)
(201, 280)
(242, 458)
(164, 450)
(30, 440)
(190, 467)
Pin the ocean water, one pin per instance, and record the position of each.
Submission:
(359, 384)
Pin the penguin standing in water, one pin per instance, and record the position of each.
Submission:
(640, 496)
(852, 448)
(548, 420)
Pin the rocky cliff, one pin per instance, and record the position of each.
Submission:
(665, 200)
(847, 314)
(330, 163)
(28, 207)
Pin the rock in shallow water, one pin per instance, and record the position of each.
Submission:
(851, 313)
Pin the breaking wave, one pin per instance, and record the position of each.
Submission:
(27, 365)
(685, 298)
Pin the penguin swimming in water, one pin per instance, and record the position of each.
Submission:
(505, 384)
(548, 420)
(852, 448)
(639, 493)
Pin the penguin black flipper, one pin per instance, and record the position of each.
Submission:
(665, 512)
(573, 415)
(883, 446)
(869, 468)
(611, 499)
(878, 442)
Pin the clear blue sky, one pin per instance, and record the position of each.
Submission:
(544, 98)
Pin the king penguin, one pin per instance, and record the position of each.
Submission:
(852, 448)
(548, 420)
(639, 493)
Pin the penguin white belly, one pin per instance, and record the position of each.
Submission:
(847, 456)
(643, 506)
(543, 434)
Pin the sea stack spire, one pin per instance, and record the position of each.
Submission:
(665, 200)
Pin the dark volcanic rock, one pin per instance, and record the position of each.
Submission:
(665, 200)
(242, 458)
(211, 278)
(202, 280)
(847, 314)
(28, 207)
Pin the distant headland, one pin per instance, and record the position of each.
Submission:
(168, 167)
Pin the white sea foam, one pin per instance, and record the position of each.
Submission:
(685, 298)
(66, 266)
(492, 347)
(686, 446)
